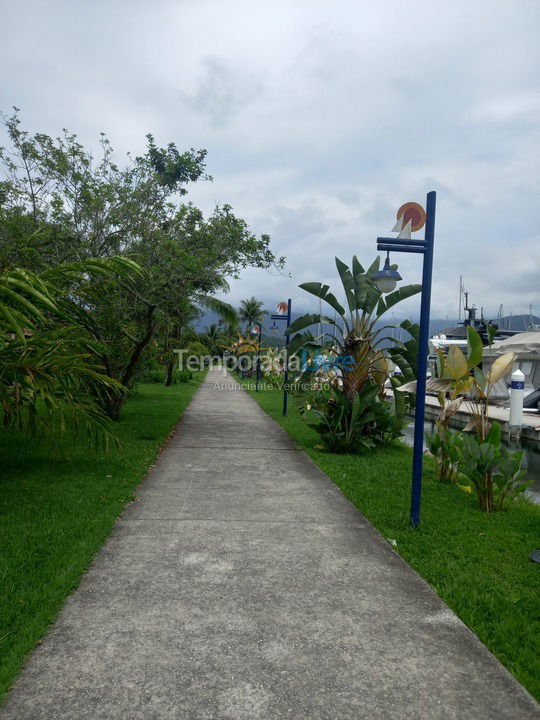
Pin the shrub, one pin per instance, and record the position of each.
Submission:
(357, 425)
(276, 379)
(152, 375)
(197, 348)
(493, 470)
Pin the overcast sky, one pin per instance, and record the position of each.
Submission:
(320, 119)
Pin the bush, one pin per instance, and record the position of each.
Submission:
(353, 426)
(197, 348)
(495, 473)
(154, 370)
(152, 375)
(276, 379)
(443, 444)
(151, 371)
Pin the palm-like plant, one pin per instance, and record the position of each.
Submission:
(225, 312)
(251, 312)
(48, 368)
(180, 331)
(231, 330)
(214, 339)
(355, 338)
(352, 415)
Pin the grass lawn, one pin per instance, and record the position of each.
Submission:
(477, 563)
(56, 511)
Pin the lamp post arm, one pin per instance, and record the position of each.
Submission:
(402, 242)
(392, 247)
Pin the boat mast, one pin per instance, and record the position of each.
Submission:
(500, 316)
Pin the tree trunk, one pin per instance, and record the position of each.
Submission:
(114, 404)
(169, 373)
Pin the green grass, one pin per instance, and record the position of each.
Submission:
(477, 563)
(56, 511)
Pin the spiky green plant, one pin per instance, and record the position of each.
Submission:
(351, 411)
(356, 335)
(251, 312)
(49, 374)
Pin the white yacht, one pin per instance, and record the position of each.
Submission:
(526, 345)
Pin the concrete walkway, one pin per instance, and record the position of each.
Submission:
(242, 584)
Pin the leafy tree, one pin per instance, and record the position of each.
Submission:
(74, 207)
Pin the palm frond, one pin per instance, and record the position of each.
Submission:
(48, 368)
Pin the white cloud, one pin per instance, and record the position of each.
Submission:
(319, 118)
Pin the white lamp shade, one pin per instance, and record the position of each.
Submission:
(386, 284)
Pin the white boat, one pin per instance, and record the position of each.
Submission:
(526, 345)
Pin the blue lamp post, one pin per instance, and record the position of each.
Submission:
(413, 218)
(257, 330)
(287, 317)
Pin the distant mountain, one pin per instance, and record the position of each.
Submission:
(509, 322)
(436, 325)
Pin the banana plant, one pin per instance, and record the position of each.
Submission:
(461, 375)
(404, 354)
(443, 442)
(355, 337)
(461, 378)
(495, 473)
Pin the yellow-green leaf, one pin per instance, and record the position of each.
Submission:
(463, 386)
(501, 367)
(456, 363)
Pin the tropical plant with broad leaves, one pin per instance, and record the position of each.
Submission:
(351, 426)
(356, 348)
(215, 339)
(49, 375)
(443, 444)
(495, 473)
(480, 458)
(345, 426)
(462, 378)
(404, 355)
(356, 333)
